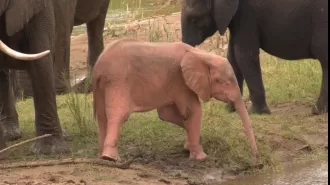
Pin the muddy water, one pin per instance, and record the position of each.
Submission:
(123, 10)
(307, 173)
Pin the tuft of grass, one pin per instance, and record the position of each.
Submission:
(298, 80)
(155, 32)
(80, 106)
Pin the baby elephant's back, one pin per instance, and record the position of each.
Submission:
(140, 56)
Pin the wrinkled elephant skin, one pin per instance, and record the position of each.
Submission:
(17, 55)
(68, 13)
(278, 27)
(29, 27)
(136, 76)
(91, 13)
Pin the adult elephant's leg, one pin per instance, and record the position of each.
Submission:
(2, 138)
(10, 119)
(41, 36)
(95, 34)
(322, 102)
(47, 121)
(64, 25)
(232, 60)
(2, 141)
(320, 50)
(247, 56)
(95, 44)
(3, 77)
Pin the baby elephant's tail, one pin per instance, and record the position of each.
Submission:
(96, 94)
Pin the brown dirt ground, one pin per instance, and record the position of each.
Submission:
(161, 169)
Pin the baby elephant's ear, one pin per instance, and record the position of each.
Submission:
(196, 75)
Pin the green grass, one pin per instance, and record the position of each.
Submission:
(291, 80)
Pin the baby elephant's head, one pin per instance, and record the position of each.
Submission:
(209, 75)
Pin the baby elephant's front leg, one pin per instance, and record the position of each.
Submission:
(193, 125)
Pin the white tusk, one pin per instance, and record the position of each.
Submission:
(21, 56)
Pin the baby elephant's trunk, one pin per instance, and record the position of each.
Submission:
(241, 109)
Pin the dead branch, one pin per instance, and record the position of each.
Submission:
(101, 162)
(23, 142)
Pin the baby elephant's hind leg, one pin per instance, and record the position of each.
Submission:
(101, 116)
(171, 114)
(117, 112)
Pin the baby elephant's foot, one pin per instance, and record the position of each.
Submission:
(197, 153)
(110, 154)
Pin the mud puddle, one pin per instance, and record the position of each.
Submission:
(306, 173)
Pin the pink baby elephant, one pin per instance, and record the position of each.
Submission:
(137, 76)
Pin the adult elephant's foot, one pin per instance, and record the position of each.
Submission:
(84, 86)
(110, 153)
(320, 108)
(254, 109)
(49, 146)
(11, 131)
(257, 109)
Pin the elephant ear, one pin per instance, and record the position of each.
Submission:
(223, 12)
(3, 6)
(196, 74)
(20, 12)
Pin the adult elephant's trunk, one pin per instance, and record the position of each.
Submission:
(241, 109)
(21, 56)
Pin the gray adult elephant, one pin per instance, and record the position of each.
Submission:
(4, 82)
(93, 13)
(77, 12)
(291, 30)
(29, 26)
